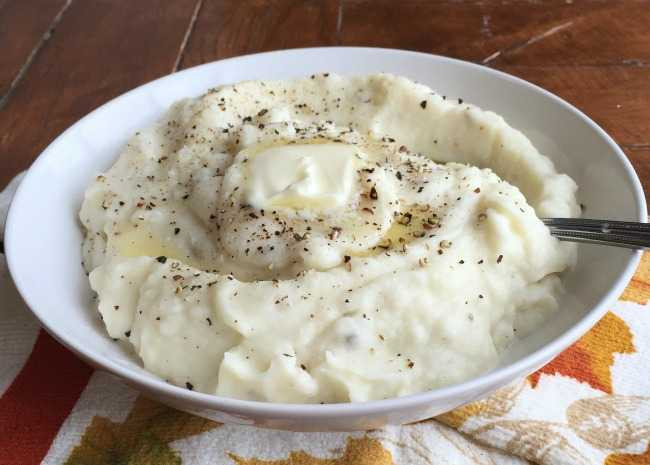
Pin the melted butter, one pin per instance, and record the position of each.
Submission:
(414, 223)
(139, 242)
(312, 176)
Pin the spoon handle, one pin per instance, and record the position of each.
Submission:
(629, 234)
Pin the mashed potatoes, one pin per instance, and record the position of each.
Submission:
(327, 239)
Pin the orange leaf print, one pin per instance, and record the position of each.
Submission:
(589, 360)
(629, 459)
(358, 451)
(141, 439)
(497, 405)
(639, 288)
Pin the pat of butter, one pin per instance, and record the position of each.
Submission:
(302, 176)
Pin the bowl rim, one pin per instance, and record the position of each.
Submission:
(465, 390)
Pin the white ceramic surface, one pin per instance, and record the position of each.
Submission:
(43, 236)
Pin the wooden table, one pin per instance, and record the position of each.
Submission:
(59, 59)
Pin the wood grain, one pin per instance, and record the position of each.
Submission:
(616, 97)
(98, 52)
(512, 32)
(229, 28)
(22, 27)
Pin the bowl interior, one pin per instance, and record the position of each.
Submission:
(43, 234)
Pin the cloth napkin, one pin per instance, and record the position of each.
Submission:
(591, 405)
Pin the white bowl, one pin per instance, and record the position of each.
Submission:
(43, 236)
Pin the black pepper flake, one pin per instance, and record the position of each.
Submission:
(398, 175)
(161, 259)
(335, 233)
(177, 230)
(189, 386)
(346, 258)
(499, 258)
(127, 333)
(303, 367)
(477, 190)
(262, 112)
(405, 219)
(209, 321)
(480, 262)
(460, 101)
(287, 355)
(423, 104)
(373, 193)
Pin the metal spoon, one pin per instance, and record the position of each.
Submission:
(628, 234)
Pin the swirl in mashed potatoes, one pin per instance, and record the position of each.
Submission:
(325, 239)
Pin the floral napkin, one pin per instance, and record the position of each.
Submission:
(591, 405)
